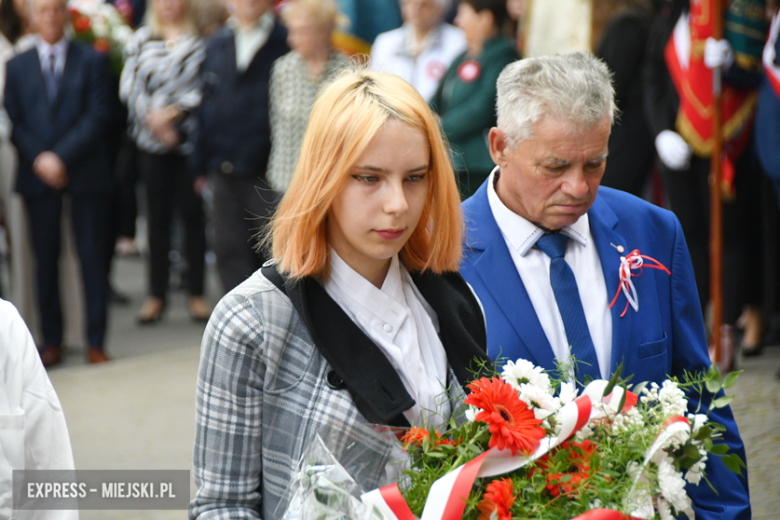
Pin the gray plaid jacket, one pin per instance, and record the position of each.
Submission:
(276, 367)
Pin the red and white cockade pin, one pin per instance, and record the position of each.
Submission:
(469, 71)
(634, 261)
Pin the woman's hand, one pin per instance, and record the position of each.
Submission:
(160, 122)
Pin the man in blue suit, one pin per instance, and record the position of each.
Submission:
(57, 97)
(544, 245)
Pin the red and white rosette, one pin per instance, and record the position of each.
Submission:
(447, 497)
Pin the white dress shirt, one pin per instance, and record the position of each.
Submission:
(45, 51)
(422, 66)
(533, 266)
(33, 432)
(399, 320)
(249, 41)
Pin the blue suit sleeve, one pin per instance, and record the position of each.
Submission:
(81, 139)
(22, 136)
(690, 353)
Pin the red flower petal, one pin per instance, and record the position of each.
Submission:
(512, 424)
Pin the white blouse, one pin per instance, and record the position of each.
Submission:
(399, 320)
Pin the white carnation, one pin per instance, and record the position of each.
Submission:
(539, 400)
(696, 472)
(650, 393)
(627, 421)
(672, 486)
(471, 413)
(664, 511)
(567, 393)
(525, 372)
(697, 421)
(672, 399)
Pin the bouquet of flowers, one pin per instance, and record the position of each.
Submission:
(100, 24)
(529, 445)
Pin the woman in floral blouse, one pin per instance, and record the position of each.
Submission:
(295, 80)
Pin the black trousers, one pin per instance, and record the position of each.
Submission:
(88, 214)
(689, 196)
(170, 186)
(242, 206)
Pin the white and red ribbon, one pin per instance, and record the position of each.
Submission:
(447, 497)
(634, 261)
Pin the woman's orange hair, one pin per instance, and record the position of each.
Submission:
(344, 119)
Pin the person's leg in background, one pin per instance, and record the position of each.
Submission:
(160, 184)
(44, 212)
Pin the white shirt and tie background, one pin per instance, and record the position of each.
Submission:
(533, 266)
(52, 58)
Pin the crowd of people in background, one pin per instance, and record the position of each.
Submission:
(214, 99)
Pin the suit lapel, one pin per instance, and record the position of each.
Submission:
(366, 372)
(498, 272)
(37, 73)
(231, 58)
(603, 222)
(71, 66)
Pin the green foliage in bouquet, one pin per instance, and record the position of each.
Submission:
(609, 463)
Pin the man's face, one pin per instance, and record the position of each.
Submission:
(50, 17)
(551, 179)
(422, 14)
(250, 11)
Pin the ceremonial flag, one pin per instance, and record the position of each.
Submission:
(746, 32)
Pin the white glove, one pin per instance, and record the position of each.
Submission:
(718, 53)
(673, 150)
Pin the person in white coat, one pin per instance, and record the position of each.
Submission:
(422, 49)
(33, 432)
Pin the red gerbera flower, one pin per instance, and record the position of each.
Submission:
(80, 23)
(417, 435)
(498, 499)
(511, 422)
(579, 464)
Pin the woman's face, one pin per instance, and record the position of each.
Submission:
(380, 205)
(476, 26)
(305, 36)
(170, 11)
(422, 14)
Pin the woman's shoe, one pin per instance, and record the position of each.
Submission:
(199, 309)
(752, 323)
(151, 311)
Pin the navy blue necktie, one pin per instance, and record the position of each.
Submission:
(567, 296)
(51, 78)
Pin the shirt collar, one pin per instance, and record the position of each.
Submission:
(46, 49)
(387, 304)
(409, 46)
(523, 234)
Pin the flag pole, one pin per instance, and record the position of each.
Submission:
(716, 203)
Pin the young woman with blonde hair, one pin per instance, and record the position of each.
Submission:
(363, 318)
(161, 88)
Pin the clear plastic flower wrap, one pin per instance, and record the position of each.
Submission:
(343, 462)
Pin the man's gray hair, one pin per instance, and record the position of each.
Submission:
(574, 88)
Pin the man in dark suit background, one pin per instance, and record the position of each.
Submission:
(57, 97)
(234, 133)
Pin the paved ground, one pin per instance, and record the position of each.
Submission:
(137, 412)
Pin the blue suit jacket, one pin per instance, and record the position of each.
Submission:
(666, 335)
(73, 125)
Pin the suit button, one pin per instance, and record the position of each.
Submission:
(227, 167)
(334, 380)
